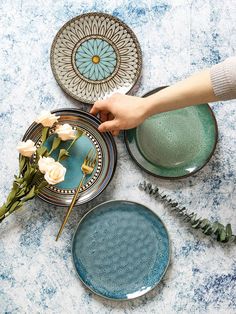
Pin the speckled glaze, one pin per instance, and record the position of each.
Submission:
(177, 39)
(174, 144)
(121, 250)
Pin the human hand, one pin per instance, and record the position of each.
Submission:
(119, 112)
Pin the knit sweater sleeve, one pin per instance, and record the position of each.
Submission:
(223, 78)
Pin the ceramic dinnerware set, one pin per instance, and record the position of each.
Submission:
(121, 249)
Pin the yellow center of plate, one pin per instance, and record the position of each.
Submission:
(96, 59)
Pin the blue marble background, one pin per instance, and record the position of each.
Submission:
(177, 38)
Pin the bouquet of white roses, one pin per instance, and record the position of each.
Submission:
(37, 168)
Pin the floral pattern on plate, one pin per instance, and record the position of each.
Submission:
(95, 59)
(94, 55)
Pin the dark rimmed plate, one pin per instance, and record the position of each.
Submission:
(103, 143)
(94, 55)
(174, 144)
(121, 250)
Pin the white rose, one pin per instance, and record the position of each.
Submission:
(45, 163)
(27, 148)
(55, 173)
(47, 119)
(65, 132)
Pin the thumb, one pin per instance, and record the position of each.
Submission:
(111, 125)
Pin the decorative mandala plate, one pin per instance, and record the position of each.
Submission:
(103, 143)
(174, 144)
(121, 250)
(94, 55)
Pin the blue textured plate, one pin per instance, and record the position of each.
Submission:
(121, 250)
(62, 194)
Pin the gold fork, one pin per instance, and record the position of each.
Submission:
(87, 168)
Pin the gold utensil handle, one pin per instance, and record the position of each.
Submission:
(70, 207)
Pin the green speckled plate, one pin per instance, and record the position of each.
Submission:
(174, 144)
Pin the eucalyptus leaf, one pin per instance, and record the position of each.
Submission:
(217, 230)
(229, 230)
(222, 235)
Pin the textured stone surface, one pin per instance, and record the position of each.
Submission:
(177, 38)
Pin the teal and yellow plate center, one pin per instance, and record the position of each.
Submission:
(95, 59)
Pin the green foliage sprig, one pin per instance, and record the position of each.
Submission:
(217, 230)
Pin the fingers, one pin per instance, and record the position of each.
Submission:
(104, 116)
(115, 133)
(109, 126)
(99, 105)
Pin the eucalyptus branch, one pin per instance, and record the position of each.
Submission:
(217, 230)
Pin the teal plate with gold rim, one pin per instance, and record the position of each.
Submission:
(174, 144)
(121, 250)
(95, 55)
(103, 143)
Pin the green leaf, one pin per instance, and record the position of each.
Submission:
(21, 192)
(193, 219)
(63, 154)
(30, 195)
(22, 162)
(196, 224)
(79, 133)
(204, 223)
(222, 235)
(228, 230)
(13, 192)
(29, 173)
(3, 210)
(41, 151)
(14, 206)
(55, 144)
(45, 132)
(208, 230)
(41, 186)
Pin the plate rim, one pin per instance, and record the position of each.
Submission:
(112, 140)
(173, 177)
(100, 13)
(169, 250)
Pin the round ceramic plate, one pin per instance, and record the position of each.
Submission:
(62, 193)
(94, 55)
(121, 250)
(174, 144)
